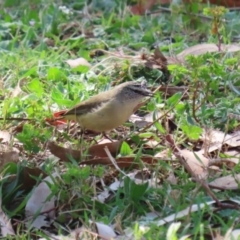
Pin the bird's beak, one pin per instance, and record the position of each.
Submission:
(149, 93)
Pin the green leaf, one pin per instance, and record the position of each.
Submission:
(157, 124)
(174, 99)
(125, 149)
(134, 191)
(193, 132)
(36, 86)
(60, 99)
(81, 69)
(147, 135)
(159, 127)
(31, 72)
(55, 74)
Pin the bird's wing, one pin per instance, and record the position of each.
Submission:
(88, 105)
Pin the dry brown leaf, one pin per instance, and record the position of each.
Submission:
(39, 203)
(63, 153)
(143, 5)
(5, 137)
(196, 161)
(30, 176)
(156, 61)
(233, 140)
(105, 232)
(151, 143)
(139, 122)
(165, 155)
(78, 62)
(6, 157)
(214, 139)
(101, 197)
(200, 49)
(231, 158)
(98, 149)
(172, 179)
(122, 162)
(229, 182)
(180, 214)
(158, 56)
(5, 223)
(94, 151)
(186, 211)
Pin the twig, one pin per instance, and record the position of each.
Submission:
(202, 182)
(18, 119)
(111, 158)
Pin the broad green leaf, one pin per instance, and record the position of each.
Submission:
(159, 127)
(125, 149)
(59, 98)
(133, 190)
(36, 86)
(174, 99)
(193, 132)
(147, 135)
(55, 74)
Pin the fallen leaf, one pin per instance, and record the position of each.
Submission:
(145, 5)
(151, 143)
(6, 157)
(103, 196)
(5, 137)
(98, 149)
(214, 140)
(200, 49)
(104, 231)
(165, 155)
(229, 158)
(229, 182)
(156, 61)
(122, 162)
(228, 4)
(39, 209)
(78, 62)
(30, 176)
(5, 223)
(196, 161)
(183, 213)
(63, 153)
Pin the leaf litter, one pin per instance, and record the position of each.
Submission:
(197, 156)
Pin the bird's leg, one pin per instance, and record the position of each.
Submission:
(81, 136)
(106, 136)
(81, 140)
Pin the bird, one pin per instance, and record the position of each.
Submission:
(110, 109)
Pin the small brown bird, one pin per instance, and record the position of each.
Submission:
(110, 109)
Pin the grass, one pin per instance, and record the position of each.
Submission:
(36, 41)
